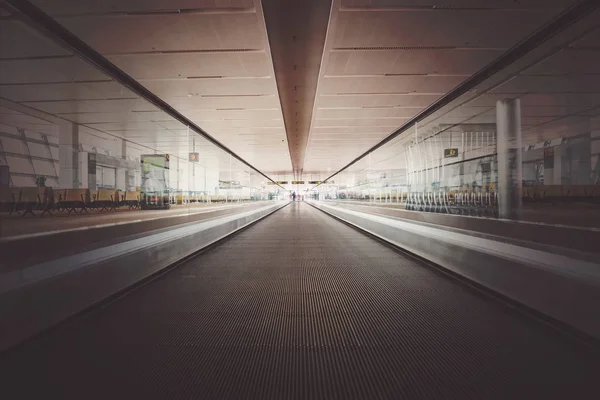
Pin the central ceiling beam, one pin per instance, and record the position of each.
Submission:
(297, 30)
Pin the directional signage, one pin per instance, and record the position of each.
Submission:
(282, 182)
(297, 182)
(314, 182)
(450, 153)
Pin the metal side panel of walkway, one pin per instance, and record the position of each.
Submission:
(301, 306)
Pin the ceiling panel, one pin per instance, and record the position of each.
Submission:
(550, 111)
(241, 115)
(124, 117)
(350, 129)
(89, 106)
(29, 44)
(65, 91)
(445, 28)
(393, 84)
(371, 122)
(18, 119)
(220, 102)
(367, 112)
(591, 40)
(78, 7)
(177, 32)
(124, 126)
(67, 69)
(376, 100)
(569, 61)
(189, 65)
(496, 4)
(551, 84)
(211, 87)
(406, 62)
(238, 124)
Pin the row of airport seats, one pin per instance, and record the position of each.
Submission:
(27, 200)
(561, 193)
(482, 203)
(178, 198)
(222, 199)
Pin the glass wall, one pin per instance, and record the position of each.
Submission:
(524, 144)
(74, 143)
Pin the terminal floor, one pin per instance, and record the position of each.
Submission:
(302, 306)
(15, 225)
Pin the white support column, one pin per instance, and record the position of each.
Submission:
(68, 155)
(121, 178)
(510, 182)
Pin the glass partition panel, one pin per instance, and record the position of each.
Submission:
(523, 145)
(80, 148)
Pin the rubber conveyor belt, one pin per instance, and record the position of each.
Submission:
(302, 306)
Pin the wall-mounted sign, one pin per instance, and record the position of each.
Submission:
(450, 153)
(297, 182)
(194, 157)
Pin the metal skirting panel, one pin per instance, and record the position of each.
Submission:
(301, 306)
(61, 288)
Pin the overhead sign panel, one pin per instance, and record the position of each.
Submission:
(297, 182)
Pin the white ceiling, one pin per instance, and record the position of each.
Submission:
(384, 61)
(210, 60)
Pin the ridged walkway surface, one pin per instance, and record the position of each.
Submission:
(300, 306)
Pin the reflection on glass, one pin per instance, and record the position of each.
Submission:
(537, 160)
(85, 144)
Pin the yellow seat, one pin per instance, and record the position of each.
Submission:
(75, 199)
(131, 198)
(105, 199)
